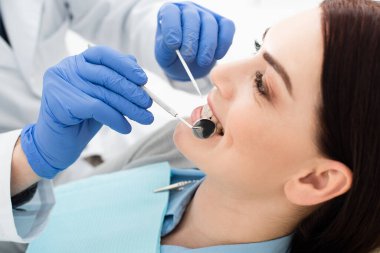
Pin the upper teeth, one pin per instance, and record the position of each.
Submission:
(207, 114)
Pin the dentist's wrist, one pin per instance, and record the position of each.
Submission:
(22, 175)
(34, 157)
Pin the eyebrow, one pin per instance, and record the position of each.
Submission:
(279, 69)
(265, 33)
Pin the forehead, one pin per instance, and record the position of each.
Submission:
(297, 44)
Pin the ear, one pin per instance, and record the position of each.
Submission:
(326, 181)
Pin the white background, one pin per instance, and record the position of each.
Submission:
(251, 18)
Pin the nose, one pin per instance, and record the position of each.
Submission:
(226, 78)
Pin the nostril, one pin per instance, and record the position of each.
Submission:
(220, 84)
(224, 91)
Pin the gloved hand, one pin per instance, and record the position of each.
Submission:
(201, 35)
(80, 94)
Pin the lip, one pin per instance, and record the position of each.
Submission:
(196, 114)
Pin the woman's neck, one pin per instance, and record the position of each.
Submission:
(214, 218)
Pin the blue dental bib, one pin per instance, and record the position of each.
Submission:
(103, 213)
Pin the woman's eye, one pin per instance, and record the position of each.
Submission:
(262, 89)
(257, 46)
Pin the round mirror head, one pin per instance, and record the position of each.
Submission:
(204, 128)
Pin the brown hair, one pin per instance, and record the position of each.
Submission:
(350, 130)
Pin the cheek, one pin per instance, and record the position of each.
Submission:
(256, 152)
(268, 145)
(247, 129)
(260, 140)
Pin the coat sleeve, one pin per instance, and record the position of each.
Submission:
(128, 25)
(27, 221)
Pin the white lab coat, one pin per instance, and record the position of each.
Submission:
(36, 30)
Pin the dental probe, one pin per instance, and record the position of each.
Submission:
(188, 72)
(203, 128)
(167, 108)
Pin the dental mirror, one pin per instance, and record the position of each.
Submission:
(204, 128)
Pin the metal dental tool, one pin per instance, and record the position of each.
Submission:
(177, 186)
(167, 108)
(204, 128)
(188, 72)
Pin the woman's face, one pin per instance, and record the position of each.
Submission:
(270, 123)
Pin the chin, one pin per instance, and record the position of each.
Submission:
(188, 144)
(183, 139)
(196, 150)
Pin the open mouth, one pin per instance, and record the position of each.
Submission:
(206, 113)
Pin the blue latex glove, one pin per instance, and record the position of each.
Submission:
(201, 35)
(80, 94)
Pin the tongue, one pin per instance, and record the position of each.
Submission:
(196, 114)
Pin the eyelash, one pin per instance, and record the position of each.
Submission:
(260, 86)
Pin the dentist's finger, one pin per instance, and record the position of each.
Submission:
(225, 37)
(125, 65)
(113, 81)
(191, 25)
(208, 40)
